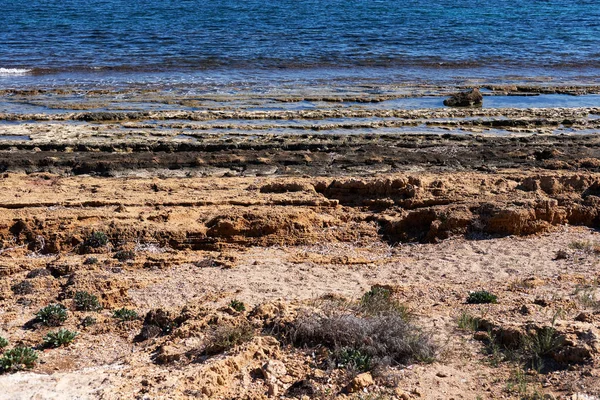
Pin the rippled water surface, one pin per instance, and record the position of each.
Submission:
(283, 42)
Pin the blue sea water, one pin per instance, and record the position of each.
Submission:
(279, 42)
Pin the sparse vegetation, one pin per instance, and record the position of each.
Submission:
(237, 305)
(379, 300)
(88, 321)
(85, 301)
(124, 255)
(61, 337)
(539, 344)
(493, 349)
(587, 297)
(468, 322)
(3, 342)
(226, 337)
(585, 246)
(90, 261)
(533, 348)
(52, 315)
(96, 240)
(124, 314)
(519, 384)
(18, 358)
(482, 297)
(383, 338)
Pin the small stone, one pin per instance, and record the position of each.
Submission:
(273, 389)
(470, 98)
(441, 374)
(584, 317)
(168, 354)
(401, 394)
(273, 369)
(533, 282)
(561, 255)
(541, 302)
(359, 382)
(524, 310)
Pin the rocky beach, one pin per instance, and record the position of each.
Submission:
(300, 245)
(299, 199)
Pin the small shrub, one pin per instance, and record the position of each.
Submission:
(237, 305)
(125, 314)
(226, 337)
(38, 272)
(385, 338)
(3, 342)
(534, 347)
(90, 261)
(124, 255)
(468, 322)
(353, 359)
(61, 337)
(85, 301)
(96, 240)
(482, 297)
(18, 358)
(379, 300)
(540, 344)
(22, 288)
(519, 385)
(88, 321)
(52, 315)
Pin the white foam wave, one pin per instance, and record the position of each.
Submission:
(14, 71)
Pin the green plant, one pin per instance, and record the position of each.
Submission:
(468, 322)
(85, 301)
(88, 321)
(52, 315)
(124, 255)
(226, 337)
(61, 337)
(3, 342)
(237, 305)
(519, 384)
(90, 261)
(96, 240)
(482, 297)
(539, 344)
(18, 358)
(353, 359)
(379, 300)
(494, 351)
(125, 314)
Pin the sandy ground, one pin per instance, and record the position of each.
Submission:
(279, 244)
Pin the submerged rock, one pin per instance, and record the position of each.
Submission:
(470, 98)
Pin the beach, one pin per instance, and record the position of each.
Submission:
(260, 200)
(291, 204)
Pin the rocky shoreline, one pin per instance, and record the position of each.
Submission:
(247, 253)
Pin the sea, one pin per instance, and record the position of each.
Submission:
(265, 45)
